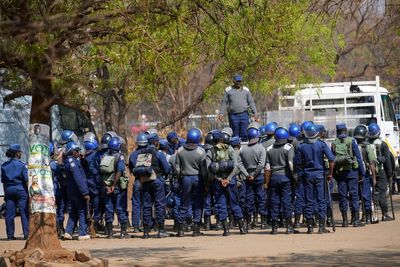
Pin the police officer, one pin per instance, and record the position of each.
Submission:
(349, 169)
(190, 168)
(384, 168)
(240, 178)
(14, 176)
(93, 177)
(222, 162)
(369, 160)
(251, 163)
(78, 193)
(269, 139)
(310, 156)
(150, 166)
(173, 142)
(208, 144)
(240, 105)
(115, 197)
(279, 174)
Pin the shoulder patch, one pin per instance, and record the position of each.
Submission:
(121, 157)
(72, 165)
(288, 146)
(246, 89)
(70, 160)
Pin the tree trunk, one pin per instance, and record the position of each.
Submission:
(104, 74)
(42, 225)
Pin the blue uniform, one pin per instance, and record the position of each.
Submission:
(299, 203)
(116, 200)
(136, 194)
(310, 155)
(94, 183)
(153, 192)
(76, 188)
(348, 182)
(60, 190)
(14, 176)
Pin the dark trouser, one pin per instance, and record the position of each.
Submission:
(116, 201)
(192, 190)
(61, 204)
(16, 196)
(314, 188)
(77, 214)
(95, 206)
(299, 203)
(255, 190)
(381, 190)
(367, 193)
(280, 190)
(154, 193)
(348, 186)
(136, 203)
(239, 123)
(242, 197)
(227, 196)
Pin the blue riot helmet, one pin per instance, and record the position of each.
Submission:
(235, 141)
(294, 130)
(114, 143)
(311, 131)
(305, 124)
(209, 139)
(227, 134)
(89, 136)
(141, 140)
(106, 138)
(252, 133)
(151, 131)
(72, 146)
(193, 136)
(91, 145)
(51, 149)
(262, 131)
(281, 133)
(217, 136)
(360, 132)
(373, 130)
(270, 128)
(173, 137)
(68, 136)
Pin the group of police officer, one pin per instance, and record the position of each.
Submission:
(279, 174)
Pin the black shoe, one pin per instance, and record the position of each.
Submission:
(146, 231)
(180, 232)
(386, 218)
(136, 229)
(161, 231)
(345, 222)
(189, 225)
(11, 238)
(226, 228)
(368, 217)
(218, 226)
(97, 227)
(322, 229)
(329, 222)
(207, 223)
(196, 230)
(242, 228)
(274, 229)
(289, 227)
(297, 221)
(231, 223)
(124, 233)
(109, 230)
(310, 226)
(60, 231)
(281, 221)
(356, 221)
(264, 222)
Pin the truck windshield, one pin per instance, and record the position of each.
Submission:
(388, 110)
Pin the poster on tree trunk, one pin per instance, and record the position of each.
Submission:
(41, 191)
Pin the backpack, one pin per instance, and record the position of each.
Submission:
(143, 168)
(221, 160)
(108, 165)
(344, 160)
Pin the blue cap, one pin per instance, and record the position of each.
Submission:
(237, 78)
(235, 141)
(172, 135)
(163, 144)
(153, 137)
(341, 126)
(15, 147)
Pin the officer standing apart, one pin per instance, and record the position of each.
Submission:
(310, 157)
(349, 170)
(14, 176)
(240, 105)
(78, 193)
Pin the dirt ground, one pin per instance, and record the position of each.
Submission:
(377, 244)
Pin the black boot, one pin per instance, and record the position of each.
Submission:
(98, 227)
(356, 221)
(264, 222)
(345, 222)
(180, 232)
(248, 222)
(207, 223)
(322, 229)
(368, 217)
(242, 228)
(352, 218)
(218, 226)
(124, 233)
(109, 230)
(254, 221)
(281, 221)
(60, 231)
(196, 230)
(289, 227)
(146, 231)
(226, 228)
(329, 221)
(161, 231)
(136, 229)
(316, 219)
(386, 217)
(274, 229)
(189, 225)
(297, 221)
(310, 226)
(231, 221)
